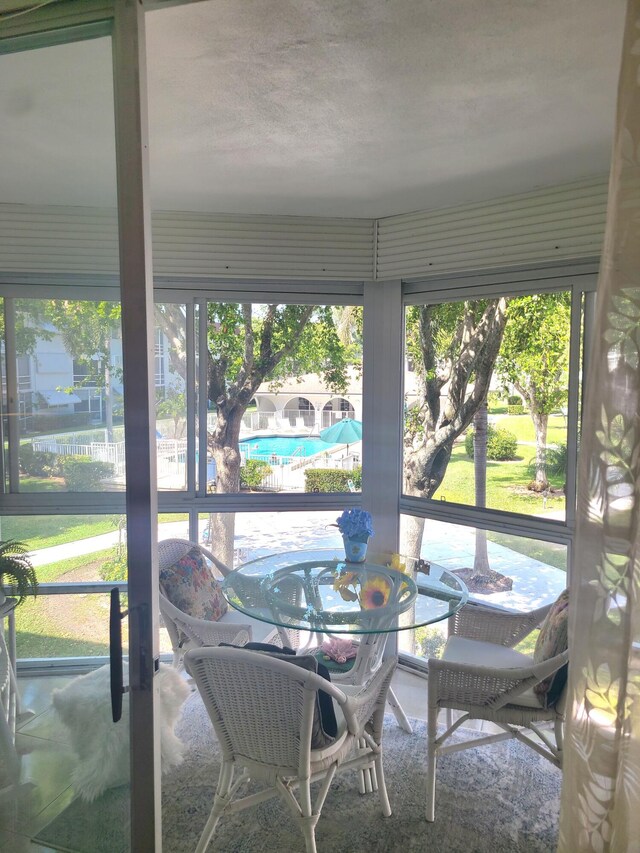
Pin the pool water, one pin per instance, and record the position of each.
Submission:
(264, 447)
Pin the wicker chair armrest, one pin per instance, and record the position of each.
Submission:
(368, 704)
(466, 684)
(205, 633)
(504, 628)
(220, 566)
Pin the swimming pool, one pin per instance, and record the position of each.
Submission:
(264, 447)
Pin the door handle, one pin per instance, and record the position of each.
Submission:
(116, 615)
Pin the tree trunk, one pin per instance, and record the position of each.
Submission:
(480, 437)
(413, 528)
(108, 391)
(223, 444)
(540, 423)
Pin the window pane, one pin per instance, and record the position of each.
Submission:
(70, 388)
(73, 550)
(257, 534)
(502, 570)
(59, 626)
(284, 398)
(171, 395)
(513, 353)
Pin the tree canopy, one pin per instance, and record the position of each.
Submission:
(534, 359)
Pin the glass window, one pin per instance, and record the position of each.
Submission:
(171, 395)
(70, 425)
(257, 534)
(284, 398)
(500, 570)
(486, 402)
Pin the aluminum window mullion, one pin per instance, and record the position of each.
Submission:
(382, 395)
(190, 396)
(13, 397)
(572, 405)
(531, 527)
(203, 396)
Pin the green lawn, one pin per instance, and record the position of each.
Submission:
(550, 553)
(506, 485)
(65, 625)
(522, 427)
(43, 531)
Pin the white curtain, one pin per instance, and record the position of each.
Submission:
(601, 784)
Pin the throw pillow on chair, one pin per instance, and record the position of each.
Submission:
(102, 746)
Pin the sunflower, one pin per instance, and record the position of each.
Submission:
(397, 564)
(342, 583)
(374, 593)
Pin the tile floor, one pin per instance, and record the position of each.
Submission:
(47, 763)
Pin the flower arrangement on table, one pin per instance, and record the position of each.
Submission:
(356, 528)
(373, 593)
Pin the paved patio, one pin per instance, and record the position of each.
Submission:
(257, 534)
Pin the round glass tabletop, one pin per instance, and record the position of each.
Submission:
(319, 591)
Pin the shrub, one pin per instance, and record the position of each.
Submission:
(253, 473)
(37, 463)
(556, 461)
(501, 444)
(116, 568)
(331, 479)
(514, 400)
(82, 474)
(515, 410)
(429, 641)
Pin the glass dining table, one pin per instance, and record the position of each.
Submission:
(319, 592)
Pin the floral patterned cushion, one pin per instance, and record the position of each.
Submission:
(553, 640)
(190, 586)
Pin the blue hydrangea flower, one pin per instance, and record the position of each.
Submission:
(355, 524)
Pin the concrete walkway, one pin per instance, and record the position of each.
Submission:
(258, 534)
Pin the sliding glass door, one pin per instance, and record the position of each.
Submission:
(78, 457)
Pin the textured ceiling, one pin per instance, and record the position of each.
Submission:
(327, 107)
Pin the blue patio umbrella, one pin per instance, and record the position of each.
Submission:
(345, 431)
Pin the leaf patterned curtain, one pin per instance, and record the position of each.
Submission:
(601, 786)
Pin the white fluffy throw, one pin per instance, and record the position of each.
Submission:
(102, 746)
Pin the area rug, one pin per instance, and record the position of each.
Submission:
(501, 798)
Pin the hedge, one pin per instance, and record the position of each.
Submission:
(50, 421)
(331, 479)
(502, 445)
(82, 474)
(517, 409)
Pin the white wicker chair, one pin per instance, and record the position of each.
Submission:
(234, 627)
(262, 711)
(482, 675)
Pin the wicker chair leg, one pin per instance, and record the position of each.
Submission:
(309, 832)
(449, 717)
(432, 727)
(220, 802)
(308, 818)
(382, 787)
(559, 734)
